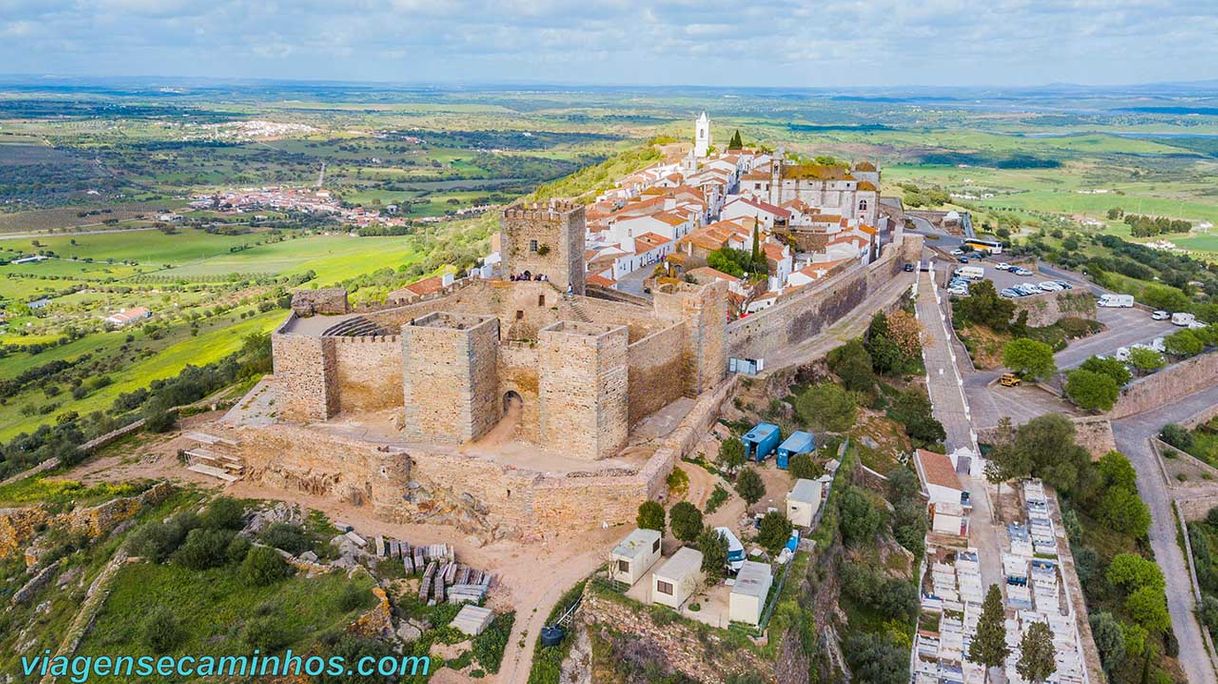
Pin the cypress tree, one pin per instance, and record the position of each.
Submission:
(989, 646)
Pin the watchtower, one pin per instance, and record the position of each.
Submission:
(449, 376)
(545, 239)
(583, 388)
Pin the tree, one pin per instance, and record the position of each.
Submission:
(906, 332)
(651, 516)
(875, 659)
(1090, 390)
(860, 519)
(1109, 366)
(826, 407)
(802, 467)
(1177, 436)
(1184, 343)
(989, 646)
(1043, 447)
(685, 520)
(1116, 471)
(264, 566)
(1131, 572)
(1148, 607)
(1109, 641)
(731, 453)
(852, 364)
(1122, 510)
(983, 306)
(736, 143)
(886, 356)
(914, 410)
(1031, 359)
(1037, 655)
(713, 546)
(774, 532)
(749, 486)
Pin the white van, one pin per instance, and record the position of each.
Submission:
(1117, 301)
(971, 272)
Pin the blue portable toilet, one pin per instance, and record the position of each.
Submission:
(761, 441)
(799, 442)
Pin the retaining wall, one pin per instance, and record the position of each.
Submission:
(1166, 386)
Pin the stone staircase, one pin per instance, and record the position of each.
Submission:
(213, 457)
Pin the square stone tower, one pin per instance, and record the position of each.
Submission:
(545, 239)
(704, 310)
(583, 388)
(450, 376)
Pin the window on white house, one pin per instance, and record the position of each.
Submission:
(623, 566)
(664, 587)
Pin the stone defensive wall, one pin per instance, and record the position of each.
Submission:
(1166, 386)
(1051, 307)
(812, 309)
(657, 371)
(476, 494)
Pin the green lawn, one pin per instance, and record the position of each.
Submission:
(149, 247)
(333, 258)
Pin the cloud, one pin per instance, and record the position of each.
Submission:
(768, 42)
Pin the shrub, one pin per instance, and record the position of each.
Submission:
(852, 364)
(860, 520)
(1131, 572)
(263, 566)
(913, 410)
(802, 467)
(286, 536)
(651, 516)
(1184, 343)
(489, 646)
(826, 407)
(1090, 390)
(224, 513)
(1146, 360)
(731, 453)
(352, 598)
(1177, 436)
(1108, 366)
(204, 548)
(162, 631)
(1122, 510)
(265, 633)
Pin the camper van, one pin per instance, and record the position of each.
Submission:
(971, 272)
(1115, 301)
(735, 550)
(1183, 319)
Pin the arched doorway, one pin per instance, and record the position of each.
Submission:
(512, 402)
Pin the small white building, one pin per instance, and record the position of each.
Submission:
(677, 578)
(949, 518)
(938, 477)
(804, 501)
(634, 556)
(749, 593)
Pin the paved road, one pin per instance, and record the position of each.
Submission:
(1132, 435)
(1124, 327)
(632, 283)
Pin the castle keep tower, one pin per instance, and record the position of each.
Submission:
(583, 387)
(450, 376)
(545, 239)
(704, 310)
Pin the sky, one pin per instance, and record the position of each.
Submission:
(822, 43)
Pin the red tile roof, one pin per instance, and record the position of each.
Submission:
(937, 469)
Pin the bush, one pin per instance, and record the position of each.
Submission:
(155, 541)
(1177, 436)
(913, 410)
(162, 632)
(224, 513)
(489, 646)
(263, 566)
(237, 549)
(775, 531)
(1090, 390)
(826, 407)
(731, 453)
(1146, 360)
(352, 598)
(860, 519)
(204, 548)
(1110, 367)
(685, 520)
(802, 467)
(1184, 343)
(1148, 607)
(852, 364)
(265, 633)
(1122, 510)
(290, 538)
(875, 659)
(1131, 572)
(651, 516)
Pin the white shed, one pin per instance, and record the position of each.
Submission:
(749, 593)
(677, 578)
(804, 501)
(634, 556)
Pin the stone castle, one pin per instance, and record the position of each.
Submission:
(575, 373)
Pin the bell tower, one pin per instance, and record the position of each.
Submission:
(702, 136)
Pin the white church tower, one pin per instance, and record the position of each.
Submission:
(702, 136)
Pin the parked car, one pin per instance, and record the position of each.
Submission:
(1160, 315)
(1008, 292)
(956, 252)
(1022, 272)
(1002, 266)
(1065, 285)
(1009, 380)
(963, 260)
(1050, 286)
(909, 268)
